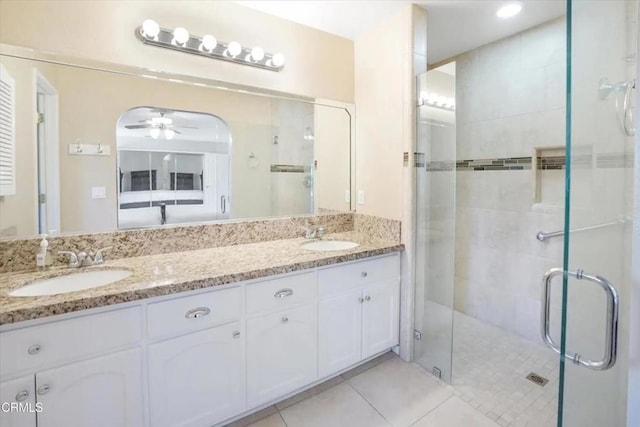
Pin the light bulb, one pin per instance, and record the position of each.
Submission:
(277, 60)
(509, 10)
(181, 36)
(154, 132)
(169, 133)
(208, 43)
(150, 29)
(234, 49)
(257, 53)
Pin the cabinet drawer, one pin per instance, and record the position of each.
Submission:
(186, 314)
(38, 347)
(281, 293)
(350, 276)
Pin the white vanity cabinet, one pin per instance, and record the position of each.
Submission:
(104, 389)
(282, 328)
(200, 358)
(18, 398)
(100, 392)
(358, 312)
(197, 379)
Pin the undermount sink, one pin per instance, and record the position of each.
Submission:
(70, 283)
(329, 245)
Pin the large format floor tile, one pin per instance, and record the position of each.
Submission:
(340, 406)
(455, 413)
(274, 420)
(403, 393)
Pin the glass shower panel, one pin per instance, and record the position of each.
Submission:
(435, 223)
(599, 173)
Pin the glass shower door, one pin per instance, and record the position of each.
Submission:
(587, 312)
(435, 175)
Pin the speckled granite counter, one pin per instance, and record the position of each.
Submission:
(163, 274)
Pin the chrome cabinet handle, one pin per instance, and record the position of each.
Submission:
(360, 300)
(236, 334)
(363, 274)
(195, 313)
(611, 341)
(44, 389)
(367, 298)
(22, 395)
(34, 349)
(286, 292)
(285, 320)
(223, 204)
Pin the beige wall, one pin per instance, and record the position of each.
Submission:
(318, 64)
(386, 58)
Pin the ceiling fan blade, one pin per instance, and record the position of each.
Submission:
(137, 126)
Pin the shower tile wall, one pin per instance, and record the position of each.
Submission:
(510, 99)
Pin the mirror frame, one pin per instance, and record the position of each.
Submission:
(20, 52)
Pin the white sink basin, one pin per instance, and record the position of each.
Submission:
(329, 245)
(70, 283)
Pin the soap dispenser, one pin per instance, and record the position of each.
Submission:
(44, 259)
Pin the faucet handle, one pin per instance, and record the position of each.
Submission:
(73, 258)
(97, 257)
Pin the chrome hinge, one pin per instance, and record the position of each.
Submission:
(40, 118)
(42, 198)
(417, 335)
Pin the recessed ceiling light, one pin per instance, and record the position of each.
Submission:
(509, 10)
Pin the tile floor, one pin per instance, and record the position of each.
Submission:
(489, 370)
(489, 389)
(384, 392)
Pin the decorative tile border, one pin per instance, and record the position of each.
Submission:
(551, 162)
(290, 168)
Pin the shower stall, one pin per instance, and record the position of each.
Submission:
(524, 221)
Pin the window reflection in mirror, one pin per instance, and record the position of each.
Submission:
(173, 167)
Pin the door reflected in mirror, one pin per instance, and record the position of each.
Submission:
(173, 167)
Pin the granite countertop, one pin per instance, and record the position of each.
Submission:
(164, 274)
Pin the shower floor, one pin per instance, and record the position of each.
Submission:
(490, 367)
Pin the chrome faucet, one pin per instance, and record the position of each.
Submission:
(84, 259)
(314, 232)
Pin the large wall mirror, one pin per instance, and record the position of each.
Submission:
(99, 149)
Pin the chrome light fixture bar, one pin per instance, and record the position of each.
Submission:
(179, 39)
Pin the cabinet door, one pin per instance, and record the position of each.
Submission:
(380, 317)
(101, 392)
(197, 379)
(339, 329)
(18, 401)
(281, 353)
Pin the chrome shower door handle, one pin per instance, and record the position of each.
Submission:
(611, 339)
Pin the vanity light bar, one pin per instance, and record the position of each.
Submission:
(179, 39)
(437, 101)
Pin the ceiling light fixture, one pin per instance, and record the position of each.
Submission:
(180, 39)
(509, 10)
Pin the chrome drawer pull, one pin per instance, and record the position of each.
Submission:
(236, 334)
(364, 274)
(360, 300)
(43, 389)
(285, 320)
(23, 395)
(197, 312)
(367, 298)
(286, 292)
(34, 349)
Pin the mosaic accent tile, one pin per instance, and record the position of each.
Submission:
(290, 168)
(19, 254)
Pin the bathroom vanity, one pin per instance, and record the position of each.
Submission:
(196, 339)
